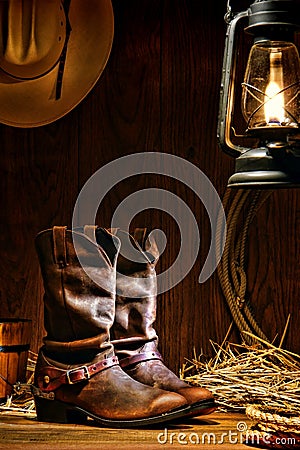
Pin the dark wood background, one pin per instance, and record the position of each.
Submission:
(159, 92)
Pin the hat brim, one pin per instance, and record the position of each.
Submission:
(32, 103)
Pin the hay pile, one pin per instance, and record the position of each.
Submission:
(239, 375)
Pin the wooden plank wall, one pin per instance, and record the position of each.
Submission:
(159, 92)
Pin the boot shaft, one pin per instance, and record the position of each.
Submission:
(136, 289)
(79, 279)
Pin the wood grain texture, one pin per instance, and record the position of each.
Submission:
(191, 62)
(38, 188)
(274, 266)
(213, 431)
(159, 92)
(15, 337)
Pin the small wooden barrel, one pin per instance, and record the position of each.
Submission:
(15, 335)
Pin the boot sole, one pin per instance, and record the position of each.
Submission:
(202, 408)
(59, 412)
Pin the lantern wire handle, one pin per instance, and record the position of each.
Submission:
(229, 15)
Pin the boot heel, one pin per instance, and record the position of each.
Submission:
(58, 412)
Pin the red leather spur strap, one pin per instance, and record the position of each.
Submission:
(139, 357)
(51, 378)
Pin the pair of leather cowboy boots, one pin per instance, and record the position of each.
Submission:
(100, 357)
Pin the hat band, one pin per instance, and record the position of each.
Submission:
(62, 59)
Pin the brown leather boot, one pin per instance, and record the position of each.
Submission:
(133, 335)
(77, 373)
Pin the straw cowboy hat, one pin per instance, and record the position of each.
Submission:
(52, 53)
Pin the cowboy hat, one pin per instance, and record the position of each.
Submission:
(52, 53)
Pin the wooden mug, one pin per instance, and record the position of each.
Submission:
(15, 335)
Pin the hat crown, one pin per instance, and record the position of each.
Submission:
(46, 73)
(32, 38)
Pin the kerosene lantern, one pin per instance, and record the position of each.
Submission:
(268, 96)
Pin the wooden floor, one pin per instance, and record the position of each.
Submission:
(216, 431)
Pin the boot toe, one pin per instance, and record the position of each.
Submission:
(195, 394)
(168, 401)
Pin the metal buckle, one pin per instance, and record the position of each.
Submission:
(86, 374)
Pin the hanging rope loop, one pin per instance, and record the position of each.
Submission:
(232, 268)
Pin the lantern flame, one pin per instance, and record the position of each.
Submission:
(274, 105)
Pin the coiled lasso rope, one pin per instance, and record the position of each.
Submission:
(241, 207)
